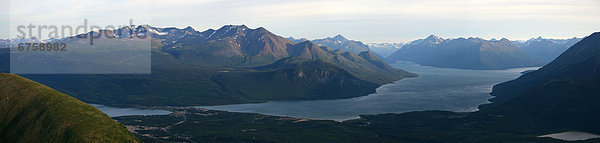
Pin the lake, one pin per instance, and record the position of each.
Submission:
(116, 112)
(456, 90)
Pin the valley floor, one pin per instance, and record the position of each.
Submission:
(202, 125)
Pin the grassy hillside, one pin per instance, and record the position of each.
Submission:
(31, 112)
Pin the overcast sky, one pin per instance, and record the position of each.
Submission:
(364, 20)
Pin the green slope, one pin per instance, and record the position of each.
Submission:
(31, 112)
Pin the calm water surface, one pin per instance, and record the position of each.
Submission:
(435, 89)
(116, 112)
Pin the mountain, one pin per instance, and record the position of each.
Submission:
(185, 85)
(297, 40)
(223, 66)
(338, 43)
(546, 50)
(230, 45)
(367, 66)
(309, 50)
(341, 43)
(385, 49)
(31, 112)
(304, 79)
(238, 45)
(576, 66)
(471, 53)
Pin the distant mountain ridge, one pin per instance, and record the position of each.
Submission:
(464, 53)
(538, 51)
(337, 42)
(546, 50)
(297, 40)
(340, 42)
(385, 49)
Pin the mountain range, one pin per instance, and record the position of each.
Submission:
(340, 42)
(297, 40)
(464, 53)
(233, 64)
(240, 46)
(477, 53)
(230, 45)
(546, 50)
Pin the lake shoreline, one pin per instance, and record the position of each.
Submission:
(483, 95)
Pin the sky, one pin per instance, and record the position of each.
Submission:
(370, 21)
